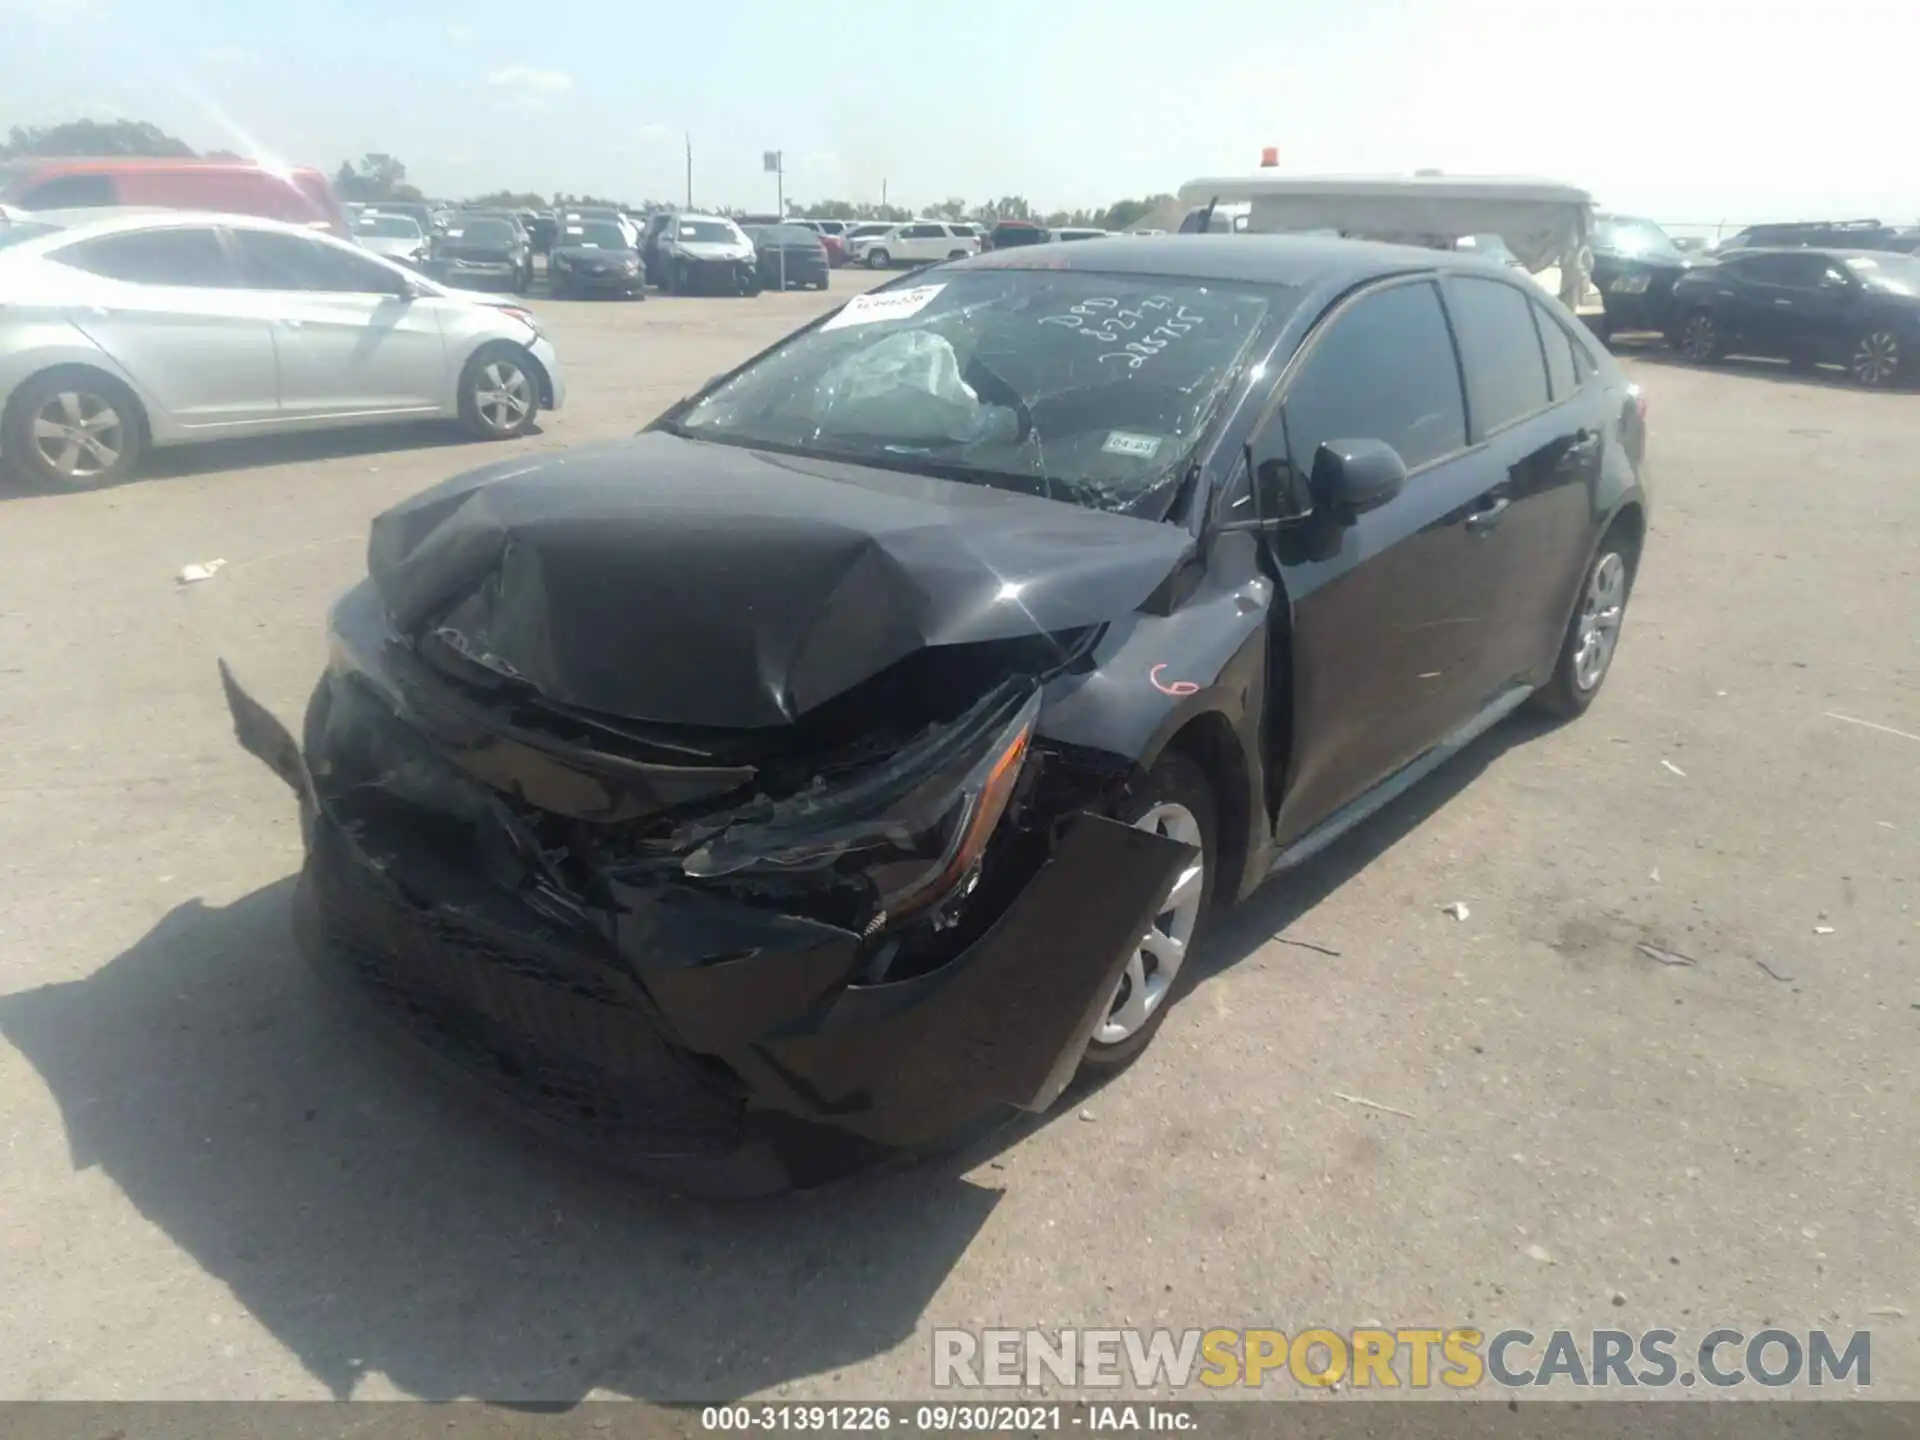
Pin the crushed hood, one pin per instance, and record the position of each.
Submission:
(689, 583)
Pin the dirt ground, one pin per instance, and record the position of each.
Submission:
(211, 1187)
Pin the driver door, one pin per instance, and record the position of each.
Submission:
(1390, 608)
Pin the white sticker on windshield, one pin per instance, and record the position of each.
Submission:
(893, 305)
(1125, 442)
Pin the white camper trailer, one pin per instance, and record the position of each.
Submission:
(1547, 226)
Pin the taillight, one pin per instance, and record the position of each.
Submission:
(1639, 398)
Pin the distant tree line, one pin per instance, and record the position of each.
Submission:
(379, 176)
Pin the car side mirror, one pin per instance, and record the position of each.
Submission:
(1351, 477)
(1277, 498)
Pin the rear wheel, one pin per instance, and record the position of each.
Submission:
(499, 396)
(1700, 339)
(1875, 358)
(1586, 652)
(1176, 801)
(73, 430)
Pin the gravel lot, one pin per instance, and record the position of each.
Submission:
(211, 1188)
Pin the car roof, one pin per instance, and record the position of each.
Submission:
(111, 222)
(1829, 252)
(1299, 260)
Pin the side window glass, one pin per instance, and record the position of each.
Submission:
(273, 261)
(1563, 365)
(1499, 349)
(190, 257)
(1385, 370)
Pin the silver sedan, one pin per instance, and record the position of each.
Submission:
(159, 328)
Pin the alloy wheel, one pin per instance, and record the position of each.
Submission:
(503, 396)
(1700, 338)
(1600, 614)
(1156, 961)
(1876, 358)
(79, 435)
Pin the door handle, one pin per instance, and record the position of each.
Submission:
(1481, 521)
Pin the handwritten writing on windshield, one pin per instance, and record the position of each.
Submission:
(1137, 333)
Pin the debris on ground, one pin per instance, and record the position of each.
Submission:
(1783, 979)
(1086, 1115)
(1887, 1312)
(1654, 875)
(1674, 768)
(1823, 929)
(206, 570)
(1307, 945)
(1458, 910)
(1664, 956)
(1375, 1105)
(1539, 1252)
(1871, 725)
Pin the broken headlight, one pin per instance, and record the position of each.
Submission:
(915, 826)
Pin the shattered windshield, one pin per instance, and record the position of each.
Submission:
(1635, 237)
(1078, 386)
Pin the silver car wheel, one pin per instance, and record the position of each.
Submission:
(1600, 615)
(502, 396)
(79, 434)
(1876, 358)
(1156, 961)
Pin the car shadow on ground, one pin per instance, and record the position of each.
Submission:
(378, 1223)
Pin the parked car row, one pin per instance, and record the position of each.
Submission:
(123, 333)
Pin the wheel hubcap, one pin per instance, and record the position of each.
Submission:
(1876, 358)
(504, 397)
(79, 435)
(1156, 961)
(1600, 615)
(1699, 338)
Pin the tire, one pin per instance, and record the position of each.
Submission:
(105, 431)
(666, 277)
(557, 285)
(878, 259)
(957, 255)
(488, 394)
(1604, 592)
(1174, 798)
(1701, 340)
(522, 281)
(1876, 359)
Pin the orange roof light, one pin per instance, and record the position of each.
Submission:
(1270, 157)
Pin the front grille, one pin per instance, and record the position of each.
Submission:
(524, 1015)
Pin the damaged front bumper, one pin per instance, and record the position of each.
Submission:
(712, 1043)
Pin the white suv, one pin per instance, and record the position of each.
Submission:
(918, 242)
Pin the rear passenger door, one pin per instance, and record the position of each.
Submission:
(1536, 452)
(167, 313)
(1388, 608)
(922, 244)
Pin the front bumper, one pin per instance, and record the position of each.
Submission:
(695, 273)
(472, 272)
(703, 1042)
(607, 282)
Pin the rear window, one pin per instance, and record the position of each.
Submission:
(786, 235)
(483, 232)
(706, 232)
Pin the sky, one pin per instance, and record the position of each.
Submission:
(1693, 112)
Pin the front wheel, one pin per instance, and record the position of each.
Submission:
(499, 396)
(1176, 801)
(1586, 652)
(878, 259)
(1700, 339)
(1875, 358)
(73, 430)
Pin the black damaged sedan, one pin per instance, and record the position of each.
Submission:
(857, 752)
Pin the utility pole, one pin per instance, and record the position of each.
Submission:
(776, 161)
(689, 170)
(883, 194)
